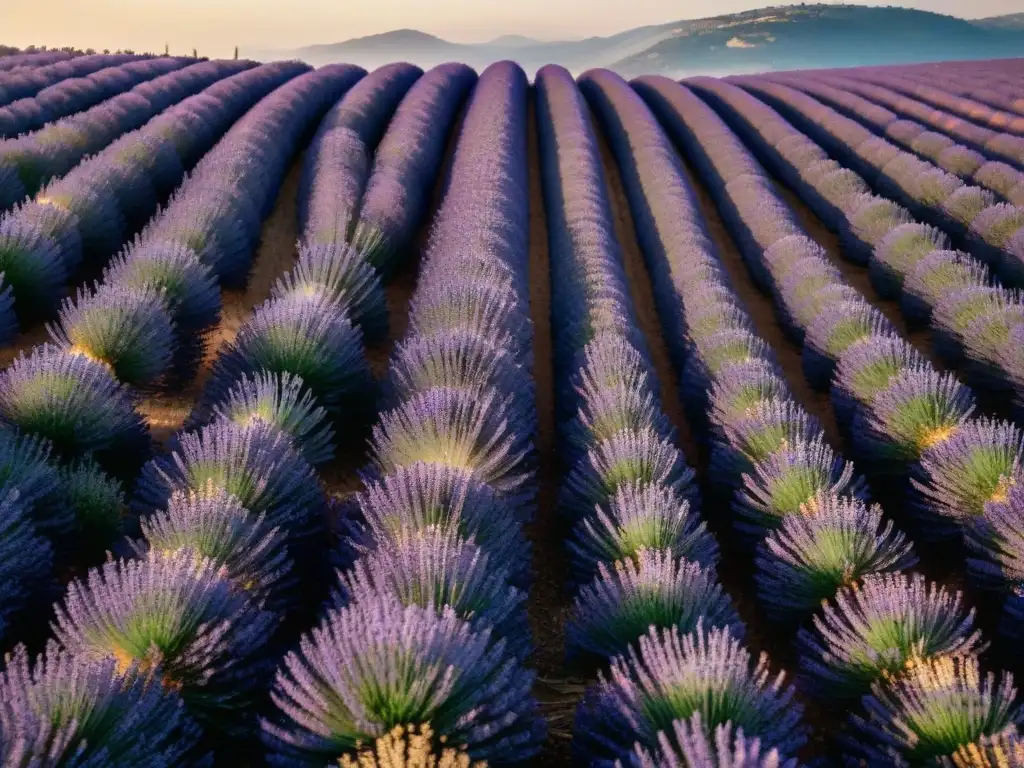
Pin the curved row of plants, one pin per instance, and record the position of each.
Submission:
(78, 223)
(992, 232)
(695, 682)
(972, 317)
(422, 647)
(963, 161)
(167, 647)
(927, 670)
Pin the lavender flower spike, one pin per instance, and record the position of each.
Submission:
(668, 677)
(833, 544)
(378, 664)
(690, 745)
(656, 590)
(879, 627)
(940, 707)
(70, 710)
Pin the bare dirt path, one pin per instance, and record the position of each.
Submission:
(548, 599)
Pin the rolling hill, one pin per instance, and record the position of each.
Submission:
(765, 39)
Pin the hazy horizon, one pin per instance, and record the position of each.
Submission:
(215, 27)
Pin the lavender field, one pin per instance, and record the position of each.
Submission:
(448, 419)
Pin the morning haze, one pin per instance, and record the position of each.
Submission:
(262, 26)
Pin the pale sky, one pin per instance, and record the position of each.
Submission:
(214, 27)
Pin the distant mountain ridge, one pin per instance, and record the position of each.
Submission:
(772, 38)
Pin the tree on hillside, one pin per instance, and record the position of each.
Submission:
(236, 53)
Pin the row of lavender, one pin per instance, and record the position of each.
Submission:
(30, 161)
(937, 123)
(76, 94)
(26, 82)
(434, 559)
(972, 317)
(77, 422)
(993, 232)
(79, 222)
(638, 554)
(970, 164)
(32, 60)
(962, 93)
(663, 623)
(966, 473)
(195, 607)
(847, 652)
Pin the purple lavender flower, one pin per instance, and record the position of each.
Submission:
(996, 540)
(98, 503)
(462, 359)
(803, 307)
(866, 368)
(833, 543)
(654, 589)
(869, 220)
(255, 464)
(955, 312)
(176, 615)
(959, 476)
(211, 222)
(97, 214)
(638, 518)
(481, 299)
(966, 204)
(422, 495)
(215, 525)
(669, 677)
(603, 414)
(70, 710)
(742, 387)
(938, 274)
(690, 745)
(766, 428)
(307, 336)
(281, 401)
(481, 433)
(939, 707)
(960, 161)
(32, 266)
(25, 559)
(899, 252)
(790, 482)
(378, 664)
(26, 466)
(831, 334)
(997, 223)
(436, 568)
(919, 409)
(73, 402)
(999, 177)
(188, 285)
(343, 274)
(880, 628)
(800, 269)
(630, 458)
(984, 341)
(1006, 748)
(841, 188)
(125, 328)
(709, 356)
(58, 225)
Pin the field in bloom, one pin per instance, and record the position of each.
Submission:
(444, 418)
